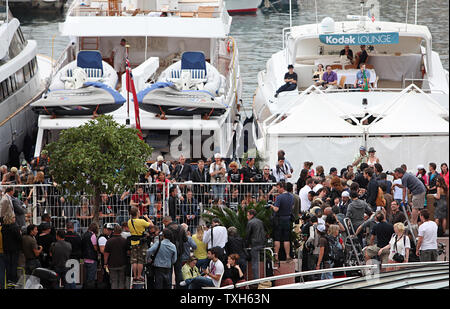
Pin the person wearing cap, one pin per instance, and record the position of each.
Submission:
(40, 164)
(417, 189)
(290, 79)
(160, 166)
(108, 229)
(361, 157)
(11, 178)
(361, 56)
(115, 255)
(372, 160)
(218, 170)
(345, 201)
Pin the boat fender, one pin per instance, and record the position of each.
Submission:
(229, 46)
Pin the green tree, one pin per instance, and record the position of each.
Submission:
(98, 157)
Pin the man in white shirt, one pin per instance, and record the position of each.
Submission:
(219, 235)
(282, 172)
(304, 200)
(215, 269)
(160, 166)
(118, 57)
(426, 247)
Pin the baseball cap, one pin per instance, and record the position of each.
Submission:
(345, 194)
(419, 167)
(321, 227)
(362, 148)
(109, 226)
(217, 156)
(160, 158)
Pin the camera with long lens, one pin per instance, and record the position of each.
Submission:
(269, 204)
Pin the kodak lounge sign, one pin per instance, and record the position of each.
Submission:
(360, 38)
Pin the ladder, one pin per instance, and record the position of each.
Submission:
(90, 43)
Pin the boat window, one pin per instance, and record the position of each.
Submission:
(16, 46)
(19, 78)
(26, 73)
(8, 86)
(34, 65)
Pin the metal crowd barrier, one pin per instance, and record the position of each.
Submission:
(191, 201)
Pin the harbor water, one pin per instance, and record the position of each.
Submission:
(259, 36)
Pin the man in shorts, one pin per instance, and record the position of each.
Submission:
(417, 189)
(118, 58)
(138, 245)
(282, 220)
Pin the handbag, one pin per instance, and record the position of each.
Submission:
(150, 268)
(399, 258)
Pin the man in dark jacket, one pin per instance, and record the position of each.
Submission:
(201, 175)
(75, 240)
(356, 210)
(372, 188)
(178, 237)
(256, 238)
(60, 252)
(182, 171)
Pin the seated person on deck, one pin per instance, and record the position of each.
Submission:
(347, 52)
(317, 75)
(362, 77)
(329, 78)
(290, 79)
(362, 56)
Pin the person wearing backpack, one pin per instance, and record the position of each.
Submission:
(178, 237)
(334, 250)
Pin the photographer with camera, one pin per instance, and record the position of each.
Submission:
(218, 170)
(164, 256)
(138, 244)
(399, 246)
(140, 200)
(282, 220)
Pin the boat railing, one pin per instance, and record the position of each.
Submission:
(367, 270)
(364, 268)
(66, 56)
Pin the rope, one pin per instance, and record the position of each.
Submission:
(21, 108)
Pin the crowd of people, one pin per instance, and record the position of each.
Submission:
(139, 239)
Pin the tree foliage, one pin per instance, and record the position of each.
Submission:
(100, 156)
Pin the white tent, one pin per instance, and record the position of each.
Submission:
(413, 131)
(315, 131)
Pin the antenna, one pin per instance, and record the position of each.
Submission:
(415, 14)
(290, 13)
(317, 21)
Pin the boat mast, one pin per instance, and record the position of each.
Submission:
(290, 13)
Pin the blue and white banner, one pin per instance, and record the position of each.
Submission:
(360, 38)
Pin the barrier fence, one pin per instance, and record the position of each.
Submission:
(185, 204)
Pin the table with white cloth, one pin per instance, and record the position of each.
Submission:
(394, 68)
(351, 75)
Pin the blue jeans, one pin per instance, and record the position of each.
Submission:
(218, 191)
(198, 283)
(203, 263)
(327, 275)
(255, 252)
(2, 271)
(91, 271)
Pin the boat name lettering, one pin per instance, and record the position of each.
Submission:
(360, 38)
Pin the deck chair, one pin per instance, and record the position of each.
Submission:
(336, 66)
(341, 84)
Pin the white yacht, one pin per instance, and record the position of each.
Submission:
(158, 33)
(37, 4)
(20, 82)
(403, 113)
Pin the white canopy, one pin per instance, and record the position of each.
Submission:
(412, 114)
(316, 116)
